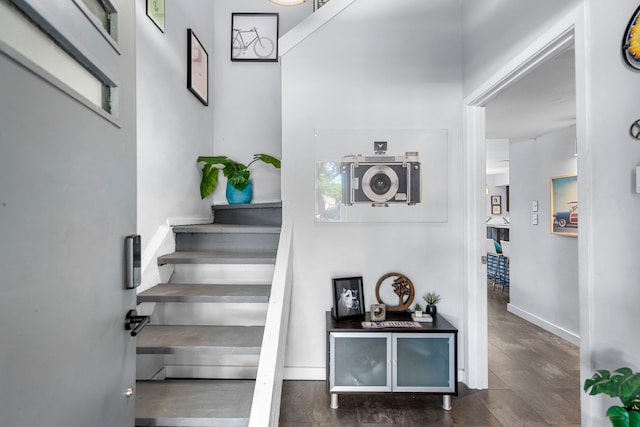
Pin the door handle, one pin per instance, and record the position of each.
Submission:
(135, 323)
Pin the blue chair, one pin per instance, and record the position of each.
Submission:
(493, 261)
(506, 256)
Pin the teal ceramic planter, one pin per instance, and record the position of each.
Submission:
(236, 197)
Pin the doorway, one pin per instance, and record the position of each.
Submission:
(554, 43)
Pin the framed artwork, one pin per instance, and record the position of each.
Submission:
(496, 209)
(155, 12)
(631, 42)
(564, 205)
(496, 200)
(197, 68)
(348, 298)
(317, 4)
(254, 37)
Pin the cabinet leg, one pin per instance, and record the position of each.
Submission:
(446, 402)
(334, 401)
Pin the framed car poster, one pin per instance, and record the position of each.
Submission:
(564, 205)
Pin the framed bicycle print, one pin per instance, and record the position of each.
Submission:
(254, 37)
(197, 68)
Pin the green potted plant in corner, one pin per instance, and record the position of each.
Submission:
(239, 186)
(431, 298)
(624, 384)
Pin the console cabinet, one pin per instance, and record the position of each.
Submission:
(417, 360)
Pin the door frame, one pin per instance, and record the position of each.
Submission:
(552, 42)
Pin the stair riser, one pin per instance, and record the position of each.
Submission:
(236, 242)
(202, 273)
(212, 372)
(264, 214)
(193, 403)
(215, 314)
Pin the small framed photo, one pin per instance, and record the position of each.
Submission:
(197, 68)
(348, 299)
(496, 200)
(496, 210)
(155, 12)
(254, 37)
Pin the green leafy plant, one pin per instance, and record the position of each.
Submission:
(432, 298)
(237, 173)
(624, 384)
(417, 307)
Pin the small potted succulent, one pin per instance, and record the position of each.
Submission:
(624, 384)
(417, 310)
(432, 299)
(239, 187)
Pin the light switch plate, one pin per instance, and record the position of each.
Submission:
(534, 206)
(535, 219)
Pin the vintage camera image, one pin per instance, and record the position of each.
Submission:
(380, 180)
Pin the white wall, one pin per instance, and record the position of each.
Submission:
(609, 267)
(174, 127)
(247, 98)
(544, 266)
(360, 71)
(497, 30)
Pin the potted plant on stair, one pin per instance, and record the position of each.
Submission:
(239, 186)
(624, 384)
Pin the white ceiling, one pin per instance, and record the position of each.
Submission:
(543, 101)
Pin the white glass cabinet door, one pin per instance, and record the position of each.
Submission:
(424, 363)
(360, 361)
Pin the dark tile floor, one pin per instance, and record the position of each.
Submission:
(534, 381)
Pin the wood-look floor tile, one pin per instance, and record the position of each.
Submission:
(550, 404)
(307, 401)
(496, 383)
(378, 409)
(469, 410)
(510, 410)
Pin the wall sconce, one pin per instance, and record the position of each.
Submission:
(288, 2)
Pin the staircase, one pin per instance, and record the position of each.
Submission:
(200, 354)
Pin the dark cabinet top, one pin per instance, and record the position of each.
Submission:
(439, 325)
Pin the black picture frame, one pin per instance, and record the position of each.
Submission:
(348, 298)
(254, 37)
(197, 68)
(155, 12)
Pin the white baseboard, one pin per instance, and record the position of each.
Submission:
(547, 326)
(305, 373)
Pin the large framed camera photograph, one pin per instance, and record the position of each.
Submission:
(396, 175)
(348, 298)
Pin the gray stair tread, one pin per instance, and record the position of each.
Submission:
(227, 228)
(174, 339)
(243, 206)
(218, 257)
(189, 292)
(193, 403)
